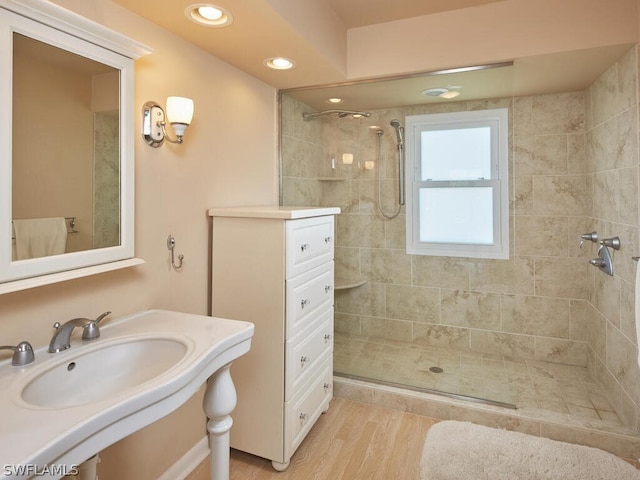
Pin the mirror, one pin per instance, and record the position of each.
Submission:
(76, 162)
(66, 150)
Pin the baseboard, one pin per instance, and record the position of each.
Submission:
(188, 462)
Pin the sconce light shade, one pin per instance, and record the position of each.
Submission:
(179, 110)
(347, 158)
(179, 114)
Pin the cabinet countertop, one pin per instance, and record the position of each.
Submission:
(272, 211)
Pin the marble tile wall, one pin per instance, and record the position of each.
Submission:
(106, 221)
(612, 165)
(302, 154)
(573, 169)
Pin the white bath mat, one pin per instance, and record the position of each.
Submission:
(465, 451)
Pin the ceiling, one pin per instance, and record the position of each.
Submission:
(268, 28)
(358, 13)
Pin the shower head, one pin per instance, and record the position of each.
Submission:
(399, 130)
(340, 113)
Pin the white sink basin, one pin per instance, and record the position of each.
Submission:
(109, 370)
(67, 406)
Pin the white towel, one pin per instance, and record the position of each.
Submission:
(40, 237)
(637, 292)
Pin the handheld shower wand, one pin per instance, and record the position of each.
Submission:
(399, 130)
(400, 137)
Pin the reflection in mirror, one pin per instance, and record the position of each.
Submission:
(65, 155)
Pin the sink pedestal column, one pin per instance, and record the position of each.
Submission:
(219, 401)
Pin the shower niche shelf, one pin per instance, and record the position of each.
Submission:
(342, 283)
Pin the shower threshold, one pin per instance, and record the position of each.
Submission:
(456, 396)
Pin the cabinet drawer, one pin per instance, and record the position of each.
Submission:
(309, 243)
(302, 412)
(306, 296)
(305, 353)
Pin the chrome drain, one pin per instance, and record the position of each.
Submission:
(436, 370)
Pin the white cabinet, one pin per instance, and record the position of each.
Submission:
(273, 266)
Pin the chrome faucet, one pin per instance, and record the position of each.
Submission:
(22, 354)
(61, 339)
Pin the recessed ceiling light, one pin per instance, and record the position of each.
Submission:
(450, 94)
(434, 92)
(442, 92)
(334, 100)
(208, 15)
(279, 63)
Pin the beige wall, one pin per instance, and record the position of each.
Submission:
(495, 32)
(228, 158)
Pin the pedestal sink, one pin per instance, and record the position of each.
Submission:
(67, 406)
(110, 369)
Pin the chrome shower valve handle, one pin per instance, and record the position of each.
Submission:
(592, 237)
(613, 242)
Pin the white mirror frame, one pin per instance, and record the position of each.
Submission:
(49, 23)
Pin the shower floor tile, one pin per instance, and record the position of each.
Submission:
(565, 392)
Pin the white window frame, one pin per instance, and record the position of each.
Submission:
(497, 119)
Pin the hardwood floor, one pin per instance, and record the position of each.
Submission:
(351, 441)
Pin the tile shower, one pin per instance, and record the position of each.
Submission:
(543, 330)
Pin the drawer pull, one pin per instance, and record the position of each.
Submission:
(328, 239)
(327, 288)
(327, 387)
(304, 302)
(303, 360)
(304, 417)
(304, 246)
(327, 337)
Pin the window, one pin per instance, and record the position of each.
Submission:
(457, 176)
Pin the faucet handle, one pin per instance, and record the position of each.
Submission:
(91, 331)
(100, 317)
(22, 354)
(591, 236)
(613, 242)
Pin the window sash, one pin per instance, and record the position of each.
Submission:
(466, 151)
(497, 120)
(494, 185)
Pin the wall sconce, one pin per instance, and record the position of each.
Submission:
(179, 115)
(369, 165)
(347, 158)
